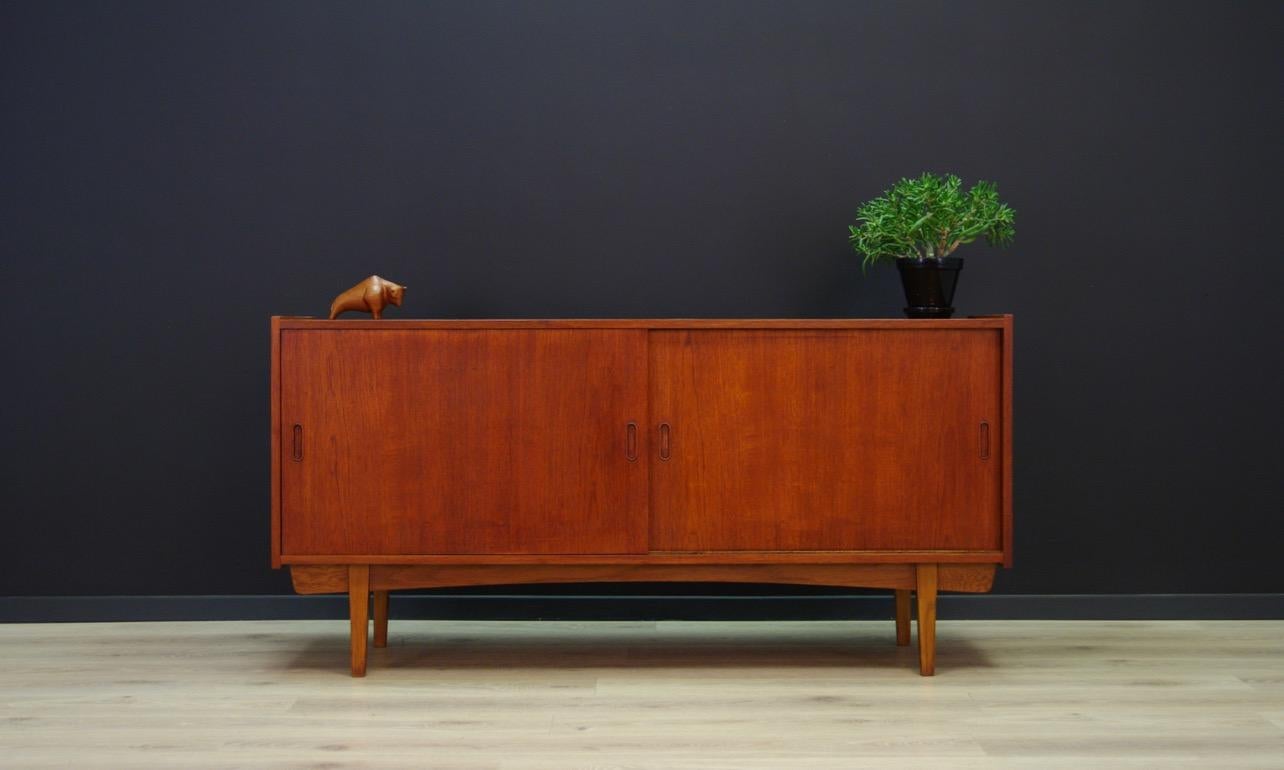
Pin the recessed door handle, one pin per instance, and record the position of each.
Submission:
(298, 443)
(985, 440)
(631, 442)
(665, 448)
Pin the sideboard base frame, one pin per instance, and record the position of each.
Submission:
(360, 581)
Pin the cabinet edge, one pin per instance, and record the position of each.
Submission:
(333, 578)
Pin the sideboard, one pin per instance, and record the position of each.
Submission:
(866, 453)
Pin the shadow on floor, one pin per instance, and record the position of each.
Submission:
(538, 645)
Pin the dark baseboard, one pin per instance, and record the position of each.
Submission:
(64, 609)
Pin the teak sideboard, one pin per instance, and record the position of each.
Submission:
(864, 453)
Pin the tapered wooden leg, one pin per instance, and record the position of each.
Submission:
(359, 610)
(902, 617)
(926, 596)
(380, 618)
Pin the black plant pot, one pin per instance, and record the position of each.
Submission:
(929, 286)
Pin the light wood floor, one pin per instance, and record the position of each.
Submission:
(640, 695)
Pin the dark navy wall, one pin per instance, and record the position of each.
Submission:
(174, 173)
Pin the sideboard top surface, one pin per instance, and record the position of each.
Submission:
(975, 322)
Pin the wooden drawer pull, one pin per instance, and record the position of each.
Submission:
(631, 442)
(298, 443)
(985, 440)
(664, 441)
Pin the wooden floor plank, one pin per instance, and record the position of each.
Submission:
(506, 695)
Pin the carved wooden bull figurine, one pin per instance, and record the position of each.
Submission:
(371, 296)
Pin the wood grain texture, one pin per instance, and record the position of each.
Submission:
(832, 440)
(359, 616)
(510, 695)
(663, 557)
(964, 578)
(320, 579)
(371, 296)
(1000, 324)
(902, 601)
(464, 442)
(925, 601)
(858, 453)
(867, 576)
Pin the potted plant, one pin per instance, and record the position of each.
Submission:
(919, 223)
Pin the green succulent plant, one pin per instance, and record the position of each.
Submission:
(928, 218)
